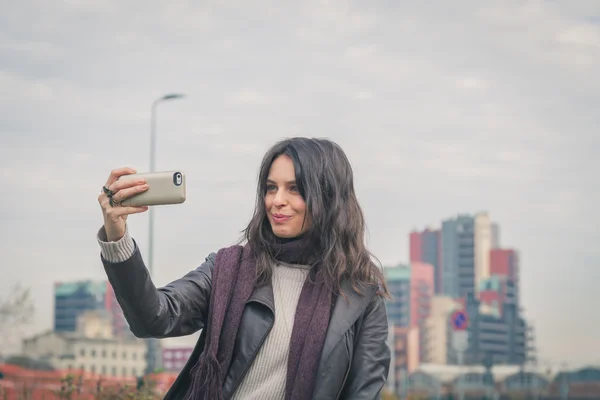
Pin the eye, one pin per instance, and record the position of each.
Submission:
(294, 189)
(271, 188)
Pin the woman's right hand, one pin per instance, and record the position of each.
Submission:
(114, 215)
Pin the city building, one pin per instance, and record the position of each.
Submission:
(426, 246)
(398, 308)
(465, 259)
(436, 332)
(496, 339)
(458, 256)
(174, 359)
(71, 299)
(421, 293)
(495, 292)
(495, 235)
(405, 353)
(483, 244)
(411, 287)
(505, 262)
(91, 347)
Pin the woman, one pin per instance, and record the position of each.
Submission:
(297, 312)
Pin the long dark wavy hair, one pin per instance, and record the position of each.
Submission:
(337, 231)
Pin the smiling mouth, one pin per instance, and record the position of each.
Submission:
(280, 218)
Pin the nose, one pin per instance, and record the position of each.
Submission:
(280, 199)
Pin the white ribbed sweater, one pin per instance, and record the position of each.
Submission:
(265, 380)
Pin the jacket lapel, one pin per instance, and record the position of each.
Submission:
(257, 321)
(263, 295)
(345, 313)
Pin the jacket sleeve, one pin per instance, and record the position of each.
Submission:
(371, 361)
(177, 309)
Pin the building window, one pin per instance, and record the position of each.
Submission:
(133, 372)
(82, 352)
(124, 372)
(103, 353)
(82, 368)
(134, 356)
(114, 371)
(114, 354)
(124, 355)
(93, 353)
(93, 369)
(104, 370)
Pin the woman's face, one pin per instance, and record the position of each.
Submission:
(285, 206)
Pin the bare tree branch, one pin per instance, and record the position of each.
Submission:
(17, 308)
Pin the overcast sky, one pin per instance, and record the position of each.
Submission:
(445, 108)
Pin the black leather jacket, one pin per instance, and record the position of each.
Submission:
(355, 358)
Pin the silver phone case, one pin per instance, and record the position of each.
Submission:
(163, 188)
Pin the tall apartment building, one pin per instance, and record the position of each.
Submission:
(466, 244)
(426, 246)
(483, 244)
(72, 299)
(398, 308)
(412, 288)
(458, 256)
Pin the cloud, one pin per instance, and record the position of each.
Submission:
(251, 97)
(446, 109)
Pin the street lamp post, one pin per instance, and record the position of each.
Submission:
(153, 352)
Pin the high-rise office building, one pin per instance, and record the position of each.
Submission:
(72, 299)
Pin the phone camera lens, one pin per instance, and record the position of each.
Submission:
(177, 179)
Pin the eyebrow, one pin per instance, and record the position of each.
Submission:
(269, 180)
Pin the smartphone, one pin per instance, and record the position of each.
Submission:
(166, 187)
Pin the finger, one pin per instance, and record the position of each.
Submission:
(121, 211)
(116, 173)
(114, 213)
(125, 183)
(126, 193)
